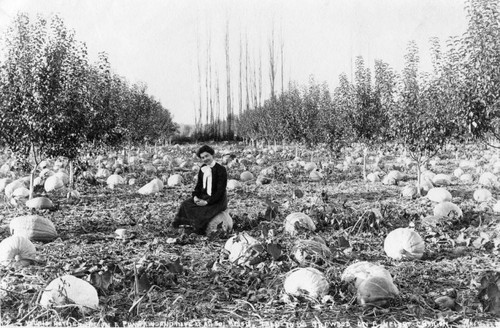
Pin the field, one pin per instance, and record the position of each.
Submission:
(158, 275)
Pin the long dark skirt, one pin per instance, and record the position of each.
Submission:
(199, 216)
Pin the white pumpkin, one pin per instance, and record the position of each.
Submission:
(70, 290)
(240, 248)
(404, 243)
(482, 195)
(40, 203)
(306, 282)
(466, 178)
(223, 219)
(496, 207)
(441, 180)
(425, 186)
(360, 271)
(409, 192)
(12, 186)
(488, 179)
(233, 184)
(373, 177)
(396, 175)
(310, 166)
(315, 175)
(376, 291)
(114, 180)
(17, 250)
(21, 192)
(458, 172)
(152, 187)
(246, 176)
(53, 183)
(174, 180)
(446, 209)
(439, 195)
(64, 176)
(308, 252)
(298, 219)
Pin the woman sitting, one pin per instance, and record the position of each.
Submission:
(209, 196)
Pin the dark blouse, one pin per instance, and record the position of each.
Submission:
(219, 182)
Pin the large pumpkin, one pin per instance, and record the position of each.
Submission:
(17, 250)
(297, 220)
(33, 227)
(223, 219)
(447, 209)
(241, 248)
(439, 195)
(309, 282)
(376, 291)
(70, 290)
(360, 271)
(40, 203)
(404, 243)
(308, 252)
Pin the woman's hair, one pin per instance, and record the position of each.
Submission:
(205, 149)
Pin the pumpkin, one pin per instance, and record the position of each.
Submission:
(17, 250)
(446, 209)
(297, 220)
(149, 168)
(242, 248)
(404, 243)
(246, 176)
(496, 207)
(441, 180)
(466, 178)
(316, 175)
(426, 174)
(373, 177)
(458, 172)
(21, 192)
(308, 252)
(409, 192)
(389, 181)
(488, 179)
(308, 282)
(174, 180)
(4, 182)
(482, 195)
(439, 195)
(151, 187)
(233, 184)
(223, 219)
(12, 186)
(310, 166)
(358, 272)
(40, 203)
(102, 173)
(376, 291)
(63, 175)
(396, 175)
(114, 180)
(70, 290)
(53, 182)
(33, 227)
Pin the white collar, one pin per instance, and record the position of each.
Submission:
(212, 164)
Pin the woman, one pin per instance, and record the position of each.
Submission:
(209, 195)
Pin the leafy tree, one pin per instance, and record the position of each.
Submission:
(42, 102)
(422, 119)
(480, 55)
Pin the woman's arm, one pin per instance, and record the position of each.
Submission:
(220, 181)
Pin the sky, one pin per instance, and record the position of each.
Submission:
(161, 42)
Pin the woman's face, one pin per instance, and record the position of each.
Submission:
(206, 158)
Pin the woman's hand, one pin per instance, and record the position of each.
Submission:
(199, 202)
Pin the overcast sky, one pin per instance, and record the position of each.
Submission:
(155, 41)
